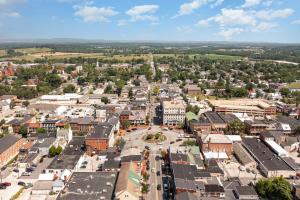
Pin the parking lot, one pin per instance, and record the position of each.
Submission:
(39, 169)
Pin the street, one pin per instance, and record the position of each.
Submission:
(154, 178)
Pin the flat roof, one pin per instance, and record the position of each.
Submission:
(100, 131)
(243, 103)
(89, 185)
(264, 155)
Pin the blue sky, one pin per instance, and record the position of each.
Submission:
(167, 20)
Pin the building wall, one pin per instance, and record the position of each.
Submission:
(11, 152)
(218, 147)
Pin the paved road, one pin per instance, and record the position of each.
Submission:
(154, 194)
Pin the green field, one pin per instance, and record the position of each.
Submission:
(207, 56)
(33, 50)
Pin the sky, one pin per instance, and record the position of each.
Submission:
(157, 20)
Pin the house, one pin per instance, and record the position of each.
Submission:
(44, 145)
(89, 185)
(192, 90)
(246, 193)
(128, 184)
(214, 190)
(69, 159)
(10, 146)
(100, 138)
(82, 125)
(216, 143)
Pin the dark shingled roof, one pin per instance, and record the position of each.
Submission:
(89, 186)
(245, 190)
(7, 142)
(265, 156)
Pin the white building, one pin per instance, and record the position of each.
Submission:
(173, 112)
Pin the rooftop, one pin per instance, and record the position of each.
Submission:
(89, 185)
(265, 156)
(100, 131)
(8, 141)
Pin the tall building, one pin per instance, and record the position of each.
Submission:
(173, 112)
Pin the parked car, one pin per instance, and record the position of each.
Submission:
(172, 142)
(85, 162)
(83, 166)
(21, 183)
(147, 147)
(29, 169)
(16, 170)
(178, 140)
(158, 187)
(6, 184)
(2, 187)
(158, 173)
(28, 185)
(26, 173)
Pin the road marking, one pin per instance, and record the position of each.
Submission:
(156, 192)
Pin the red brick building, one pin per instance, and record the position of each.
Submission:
(9, 148)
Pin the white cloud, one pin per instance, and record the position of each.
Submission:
(267, 3)
(234, 17)
(274, 14)
(188, 8)
(264, 26)
(251, 3)
(143, 13)
(217, 3)
(95, 14)
(204, 22)
(7, 2)
(13, 15)
(228, 33)
(297, 21)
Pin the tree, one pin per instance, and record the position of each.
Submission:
(195, 109)
(136, 82)
(130, 93)
(236, 126)
(274, 189)
(125, 124)
(26, 103)
(23, 131)
(108, 89)
(105, 100)
(81, 80)
(54, 80)
(285, 92)
(69, 69)
(58, 150)
(145, 188)
(70, 88)
(156, 90)
(41, 131)
(297, 130)
(52, 151)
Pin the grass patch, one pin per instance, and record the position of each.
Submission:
(33, 50)
(189, 143)
(153, 138)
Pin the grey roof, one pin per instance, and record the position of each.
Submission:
(70, 155)
(47, 143)
(185, 196)
(190, 185)
(89, 186)
(178, 157)
(242, 155)
(214, 188)
(100, 131)
(181, 171)
(245, 190)
(288, 120)
(7, 142)
(111, 164)
(214, 117)
(134, 158)
(264, 155)
(64, 162)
